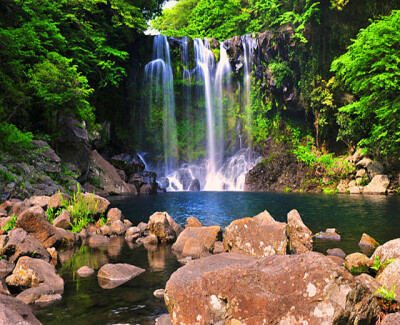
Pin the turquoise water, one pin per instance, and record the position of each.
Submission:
(85, 302)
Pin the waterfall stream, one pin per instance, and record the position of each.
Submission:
(207, 86)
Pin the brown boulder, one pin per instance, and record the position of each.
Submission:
(300, 236)
(57, 199)
(18, 208)
(13, 311)
(3, 288)
(280, 289)
(164, 227)
(389, 250)
(196, 240)
(390, 319)
(258, 236)
(42, 201)
(32, 272)
(98, 240)
(20, 243)
(113, 275)
(63, 220)
(110, 180)
(115, 214)
(31, 295)
(102, 204)
(218, 247)
(150, 240)
(390, 277)
(133, 231)
(357, 263)
(35, 223)
(6, 268)
(336, 252)
(368, 243)
(378, 185)
(192, 222)
(118, 227)
(106, 230)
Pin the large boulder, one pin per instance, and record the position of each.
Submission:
(31, 272)
(74, 146)
(357, 263)
(280, 289)
(110, 180)
(42, 201)
(130, 164)
(35, 223)
(164, 227)
(56, 201)
(258, 236)
(63, 220)
(13, 311)
(389, 250)
(367, 242)
(102, 204)
(300, 236)
(32, 295)
(145, 182)
(378, 185)
(390, 277)
(20, 243)
(194, 241)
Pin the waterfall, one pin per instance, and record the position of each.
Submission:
(248, 44)
(159, 77)
(187, 94)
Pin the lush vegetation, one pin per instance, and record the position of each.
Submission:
(57, 57)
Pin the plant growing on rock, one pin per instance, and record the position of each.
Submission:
(386, 294)
(10, 225)
(82, 208)
(378, 266)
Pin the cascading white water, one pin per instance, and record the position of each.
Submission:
(248, 44)
(159, 77)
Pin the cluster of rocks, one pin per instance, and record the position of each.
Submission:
(264, 271)
(369, 177)
(31, 250)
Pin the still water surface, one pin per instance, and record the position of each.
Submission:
(85, 302)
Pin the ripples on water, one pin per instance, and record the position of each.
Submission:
(86, 303)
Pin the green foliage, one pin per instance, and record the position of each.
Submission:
(52, 214)
(378, 266)
(370, 70)
(386, 294)
(82, 209)
(103, 221)
(12, 140)
(10, 225)
(281, 72)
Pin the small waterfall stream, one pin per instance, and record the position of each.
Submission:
(221, 168)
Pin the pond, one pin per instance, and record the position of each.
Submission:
(133, 302)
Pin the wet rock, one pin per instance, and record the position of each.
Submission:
(85, 271)
(127, 223)
(357, 263)
(144, 228)
(286, 289)
(150, 240)
(378, 185)
(336, 252)
(35, 223)
(196, 240)
(101, 203)
(300, 236)
(391, 276)
(73, 145)
(106, 230)
(367, 242)
(13, 311)
(118, 227)
(355, 190)
(98, 241)
(31, 272)
(328, 235)
(130, 164)
(42, 201)
(133, 231)
(258, 236)
(218, 247)
(192, 222)
(194, 185)
(6, 268)
(389, 250)
(20, 243)
(110, 180)
(117, 274)
(163, 320)
(132, 238)
(147, 189)
(57, 199)
(48, 299)
(164, 227)
(185, 260)
(3, 288)
(115, 214)
(159, 293)
(31, 295)
(63, 220)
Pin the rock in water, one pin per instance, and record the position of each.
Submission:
(281, 289)
(85, 271)
(192, 222)
(258, 236)
(368, 242)
(194, 241)
(300, 236)
(113, 275)
(13, 311)
(164, 227)
(378, 185)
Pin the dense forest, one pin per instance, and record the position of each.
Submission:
(66, 58)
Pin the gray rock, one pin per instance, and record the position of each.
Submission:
(6, 268)
(31, 295)
(378, 185)
(98, 240)
(113, 275)
(13, 311)
(132, 231)
(118, 227)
